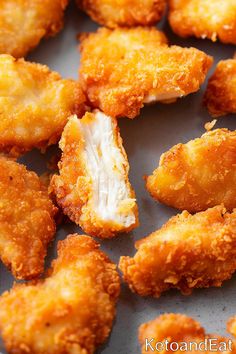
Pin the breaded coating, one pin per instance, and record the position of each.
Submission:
(231, 326)
(71, 311)
(26, 220)
(35, 105)
(175, 332)
(23, 23)
(189, 251)
(93, 188)
(128, 13)
(220, 96)
(214, 19)
(199, 174)
(125, 68)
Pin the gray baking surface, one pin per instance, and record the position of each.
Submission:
(157, 129)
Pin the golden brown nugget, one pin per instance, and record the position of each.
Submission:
(71, 311)
(23, 23)
(26, 220)
(220, 96)
(123, 69)
(189, 251)
(199, 174)
(179, 333)
(128, 13)
(35, 105)
(93, 188)
(215, 19)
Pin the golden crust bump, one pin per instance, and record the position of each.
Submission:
(189, 251)
(23, 23)
(123, 69)
(93, 188)
(215, 19)
(179, 329)
(35, 105)
(199, 174)
(26, 220)
(128, 13)
(71, 311)
(220, 96)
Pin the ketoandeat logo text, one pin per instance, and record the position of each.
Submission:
(209, 344)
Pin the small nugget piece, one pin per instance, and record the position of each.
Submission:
(214, 19)
(26, 220)
(128, 13)
(23, 23)
(172, 330)
(189, 251)
(35, 105)
(220, 96)
(125, 68)
(71, 311)
(199, 174)
(93, 188)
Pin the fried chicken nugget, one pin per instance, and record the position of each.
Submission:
(23, 23)
(35, 105)
(220, 96)
(125, 68)
(26, 220)
(93, 188)
(128, 13)
(215, 19)
(170, 331)
(189, 251)
(199, 174)
(71, 311)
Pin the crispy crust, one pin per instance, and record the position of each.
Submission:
(35, 105)
(176, 328)
(199, 174)
(126, 13)
(189, 251)
(71, 311)
(215, 19)
(23, 23)
(121, 68)
(26, 220)
(73, 187)
(220, 96)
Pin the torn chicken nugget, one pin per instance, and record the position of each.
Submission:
(179, 333)
(215, 19)
(23, 23)
(220, 96)
(26, 220)
(71, 311)
(189, 251)
(93, 188)
(199, 174)
(128, 13)
(35, 105)
(123, 69)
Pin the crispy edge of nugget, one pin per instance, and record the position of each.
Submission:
(220, 96)
(177, 328)
(26, 219)
(44, 26)
(122, 90)
(189, 251)
(75, 189)
(124, 14)
(25, 116)
(189, 176)
(55, 317)
(187, 23)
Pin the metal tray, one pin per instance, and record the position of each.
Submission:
(157, 129)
